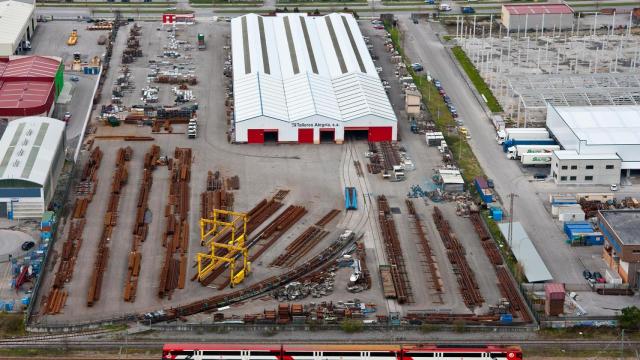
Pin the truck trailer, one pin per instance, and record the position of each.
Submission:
(511, 143)
(532, 159)
(515, 152)
(521, 134)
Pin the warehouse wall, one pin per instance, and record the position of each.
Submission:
(513, 22)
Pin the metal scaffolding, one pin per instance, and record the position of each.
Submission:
(530, 94)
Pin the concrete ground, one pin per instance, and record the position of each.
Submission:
(564, 262)
(50, 39)
(315, 174)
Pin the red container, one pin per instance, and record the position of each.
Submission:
(554, 291)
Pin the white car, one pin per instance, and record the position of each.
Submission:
(614, 187)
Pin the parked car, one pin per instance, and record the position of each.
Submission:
(442, 92)
(447, 99)
(586, 274)
(75, 78)
(490, 183)
(598, 277)
(468, 10)
(66, 117)
(27, 245)
(417, 67)
(378, 27)
(437, 83)
(540, 176)
(614, 187)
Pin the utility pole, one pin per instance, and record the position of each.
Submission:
(510, 234)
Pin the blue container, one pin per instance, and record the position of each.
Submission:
(506, 318)
(8, 307)
(86, 70)
(496, 213)
(45, 235)
(96, 70)
(25, 300)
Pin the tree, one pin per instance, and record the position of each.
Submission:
(630, 318)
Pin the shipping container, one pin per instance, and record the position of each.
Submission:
(483, 189)
(388, 288)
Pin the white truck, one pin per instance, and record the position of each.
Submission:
(535, 159)
(444, 7)
(521, 134)
(515, 152)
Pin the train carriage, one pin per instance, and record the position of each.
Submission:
(338, 352)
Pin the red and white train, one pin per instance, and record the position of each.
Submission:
(338, 352)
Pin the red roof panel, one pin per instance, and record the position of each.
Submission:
(27, 85)
(538, 9)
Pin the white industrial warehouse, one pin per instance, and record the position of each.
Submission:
(303, 79)
(32, 153)
(605, 139)
(17, 24)
(521, 17)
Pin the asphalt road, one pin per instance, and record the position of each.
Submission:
(422, 45)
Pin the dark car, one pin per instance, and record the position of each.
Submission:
(586, 274)
(598, 277)
(490, 183)
(540, 176)
(27, 245)
(447, 99)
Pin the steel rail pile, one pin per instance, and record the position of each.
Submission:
(176, 236)
(271, 233)
(89, 180)
(390, 155)
(455, 252)
(394, 252)
(110, 220)
(506, 286)
(140, 226)
(361, 254)
(257, 216)
(215, 196)
(318, 263)
(426, 249)
(305, 241)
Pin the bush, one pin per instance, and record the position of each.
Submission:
(351, 326)
(11, 324)
(630, 318)
(476, 79)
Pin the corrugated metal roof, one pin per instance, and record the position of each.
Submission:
(14, 16)
(31, 67)
(538, 9)
(573, 155)
(525, 252)
(292, 66)
(28, 147)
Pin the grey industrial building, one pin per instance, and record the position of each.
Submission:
(32, 154)
(621, 230)
(599, 143)
(521, 17)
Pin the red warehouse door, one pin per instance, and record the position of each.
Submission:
(255, 136)
(305, 136)
(380, 133)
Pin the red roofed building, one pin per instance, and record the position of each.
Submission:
(29, 85)
(537, 16)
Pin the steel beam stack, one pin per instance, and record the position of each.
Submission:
(118, 181)
(430, 258)
(456, 253)
(176, 235)
(71, 246)
(393, 251)
(141, 224)
(305, 241)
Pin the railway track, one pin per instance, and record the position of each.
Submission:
(157, 343)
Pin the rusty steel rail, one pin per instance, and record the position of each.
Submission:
(315, 264)
(432, 265)
(57, 296)
(393, 251)
(140, 226)
(176, 236)
(305, 241)
(257, 216)
(118, 181)
(467, 283)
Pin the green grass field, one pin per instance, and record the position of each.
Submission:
(476, 79)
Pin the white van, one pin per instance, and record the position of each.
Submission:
(444, 7)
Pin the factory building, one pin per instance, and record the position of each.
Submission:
(518, 17)
(604, 142)
(17, 24)
(621, 230)
(304, 79)
(32, 154)
(29, 85)
(570, 168)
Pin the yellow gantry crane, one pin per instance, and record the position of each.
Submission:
(211, 231)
